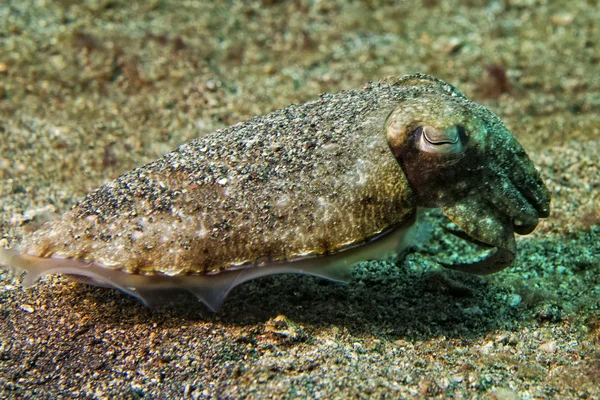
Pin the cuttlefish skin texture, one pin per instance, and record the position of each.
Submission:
(311, 188)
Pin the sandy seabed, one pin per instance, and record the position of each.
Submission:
(91, 89)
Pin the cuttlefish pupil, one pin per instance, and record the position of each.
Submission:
(310, 189)
(449, 140)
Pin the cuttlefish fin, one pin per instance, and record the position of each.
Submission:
(214, 291)
(484, 225)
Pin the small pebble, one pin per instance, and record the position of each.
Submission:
(548, 347)
(502, 338)
(514, 300)
(562, 19)
(487, 347)
(504, 394)
(27, 308)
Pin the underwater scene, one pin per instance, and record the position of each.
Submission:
(281, 199)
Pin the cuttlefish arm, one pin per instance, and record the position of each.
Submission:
(459, 157)
(485, 228)
(507, 196)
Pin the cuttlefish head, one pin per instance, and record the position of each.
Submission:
(458, 156)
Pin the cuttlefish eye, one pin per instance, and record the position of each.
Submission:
(449, 140)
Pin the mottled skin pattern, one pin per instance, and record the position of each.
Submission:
(490, 188)
(308, 181)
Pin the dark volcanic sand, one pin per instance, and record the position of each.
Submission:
(91, 89)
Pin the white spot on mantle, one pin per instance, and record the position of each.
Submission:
(202, 232)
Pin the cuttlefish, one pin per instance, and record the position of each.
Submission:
(311, 189)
